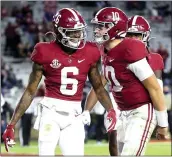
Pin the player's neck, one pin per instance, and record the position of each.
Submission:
(112, 43)
(66, 49)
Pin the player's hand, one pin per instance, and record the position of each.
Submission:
(162, 133)
(110, 120)
(8, 137)
(85, 116)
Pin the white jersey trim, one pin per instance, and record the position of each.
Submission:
(74, 14)
(141, 69)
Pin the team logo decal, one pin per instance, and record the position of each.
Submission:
(55, 64)
(56, 19)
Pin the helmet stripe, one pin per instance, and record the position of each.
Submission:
(74, 14)
(134, 20)
(99, 13)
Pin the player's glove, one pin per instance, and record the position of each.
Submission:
(8, 137)
(85, 116)
(110, 120)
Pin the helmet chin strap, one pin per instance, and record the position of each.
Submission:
(73, 44)
(102, 39)
(99, 40)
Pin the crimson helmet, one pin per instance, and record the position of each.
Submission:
(67, 22)
(115, 22)
(139, 25)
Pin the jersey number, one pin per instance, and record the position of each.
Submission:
(112, 79)
(65, 81)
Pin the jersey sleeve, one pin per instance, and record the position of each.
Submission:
(135, 50)
(141, 69)
(37, 55)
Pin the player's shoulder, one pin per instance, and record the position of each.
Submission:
(42, 45)
(157, 61)
(41, 53)
(91, 44)
(156, 56)
(44, 48)
(93, 50)
(132, 42)
(134, 50)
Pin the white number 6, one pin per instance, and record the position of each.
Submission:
(65, 81)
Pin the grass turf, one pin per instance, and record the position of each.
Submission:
(91, 148)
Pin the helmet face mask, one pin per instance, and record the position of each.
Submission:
(143, 36)
(70, 28)
(101, 32)
(73, 38)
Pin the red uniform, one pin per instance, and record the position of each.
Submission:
(137, 119)
(65, 75)
(128, 91)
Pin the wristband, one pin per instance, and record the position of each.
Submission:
(162, 118)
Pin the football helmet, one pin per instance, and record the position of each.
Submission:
(70, 28)
(139, 25)
(110, 23)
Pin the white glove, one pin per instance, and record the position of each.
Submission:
(85, 116)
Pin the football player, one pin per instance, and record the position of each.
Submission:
(134, 85)
(139, 28)
(65, 63)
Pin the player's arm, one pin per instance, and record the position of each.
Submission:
(28, 95)
(161, 112)
(24, 103)
(158, 74)
(103, 97)
(144, 73)
(92, 98)
(100, 92)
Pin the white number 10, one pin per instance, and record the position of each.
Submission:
(116, 85)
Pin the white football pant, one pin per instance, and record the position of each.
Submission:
(61, 127)
(134, 130)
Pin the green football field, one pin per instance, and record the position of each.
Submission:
(91, 148)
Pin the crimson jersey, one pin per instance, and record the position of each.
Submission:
(128, 91)
(65, 75)
(155, 61)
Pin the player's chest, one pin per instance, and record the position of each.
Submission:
(114, 67)
(67, 64)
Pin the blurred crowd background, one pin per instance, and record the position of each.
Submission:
(24, 23)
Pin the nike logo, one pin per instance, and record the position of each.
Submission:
(79, 61)
(110, 60)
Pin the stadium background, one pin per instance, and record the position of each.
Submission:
(24, 23)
